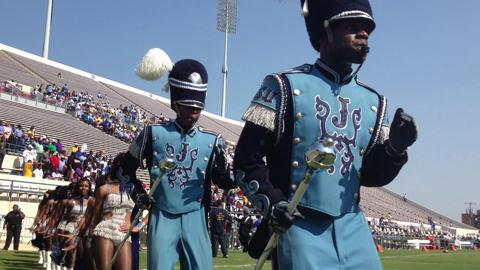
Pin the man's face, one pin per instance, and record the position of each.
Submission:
(187, 116)
(350, 40)
(15, 207)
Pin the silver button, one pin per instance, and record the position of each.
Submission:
(295, 164)
(155, 152)
(298, 115)
(370, 130)
(306, 69)
(362, 151)
(210, 145)
(154, 138)
(201, 186)
(296, 140)
(355, 196)
(205, 158)
(200, 199)
(373, 108)
(203, 172)
(293, 187)
(297, 92)
(155, 166)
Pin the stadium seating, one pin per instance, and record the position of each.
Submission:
(379, 202)
(11, 70)
(50, 74)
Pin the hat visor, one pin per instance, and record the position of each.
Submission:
(190, 103)
(354, 14)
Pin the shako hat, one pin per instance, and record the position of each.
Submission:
(320, 14)
(188, 83)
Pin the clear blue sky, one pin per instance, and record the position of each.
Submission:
(424, 58)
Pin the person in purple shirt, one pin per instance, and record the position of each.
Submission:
(59, 146)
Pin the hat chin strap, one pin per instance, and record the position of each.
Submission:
(328, 31)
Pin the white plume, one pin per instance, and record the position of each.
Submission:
(154, 64)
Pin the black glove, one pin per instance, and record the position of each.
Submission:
(144, 201)
(221, 164)
(403, 132)
(280, 219)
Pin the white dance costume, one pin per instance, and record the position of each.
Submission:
(118, 205)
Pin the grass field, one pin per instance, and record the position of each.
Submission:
(392, 260)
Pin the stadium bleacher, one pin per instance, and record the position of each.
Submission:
(9, 70)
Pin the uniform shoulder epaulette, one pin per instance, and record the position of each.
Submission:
(208, 131)
(362, 84)
(305, 68)
(164, 123)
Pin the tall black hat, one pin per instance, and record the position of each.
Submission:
(320, 14)
(188, 83)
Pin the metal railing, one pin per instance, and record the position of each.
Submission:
(24, 190)
(25, 236)
(37, 100)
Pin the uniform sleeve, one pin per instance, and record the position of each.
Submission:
(140, 150)
(380, 166)
(255, 142)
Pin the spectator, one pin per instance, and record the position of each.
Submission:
(218, 220)
(7, 131)
(55, 162)
(3, 147)
(62, 167)
(245, 229)
(28, 169)
(13, 223)
(51, 147)
(59, 146)
(18, 132)
(88, 172)
(38, 148)
(31, 132)
(38, 172)
(29, 154)
(56, 175)
(2, 128)
(74, 148)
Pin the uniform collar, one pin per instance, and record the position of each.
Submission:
(332, 74)
(191, 132)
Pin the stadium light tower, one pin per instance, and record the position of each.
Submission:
(46, 40)
(227, 23)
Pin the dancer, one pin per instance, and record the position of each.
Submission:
(75, 209)
(111, 220)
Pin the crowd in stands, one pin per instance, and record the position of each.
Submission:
(51, 94)
(124, 122)
(391, 234)
(46, 157)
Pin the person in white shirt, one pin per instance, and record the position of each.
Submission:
(38, 172)
(56, 175)
(29, 154)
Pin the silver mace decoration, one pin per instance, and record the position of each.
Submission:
(321, 155)
(165, 165)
